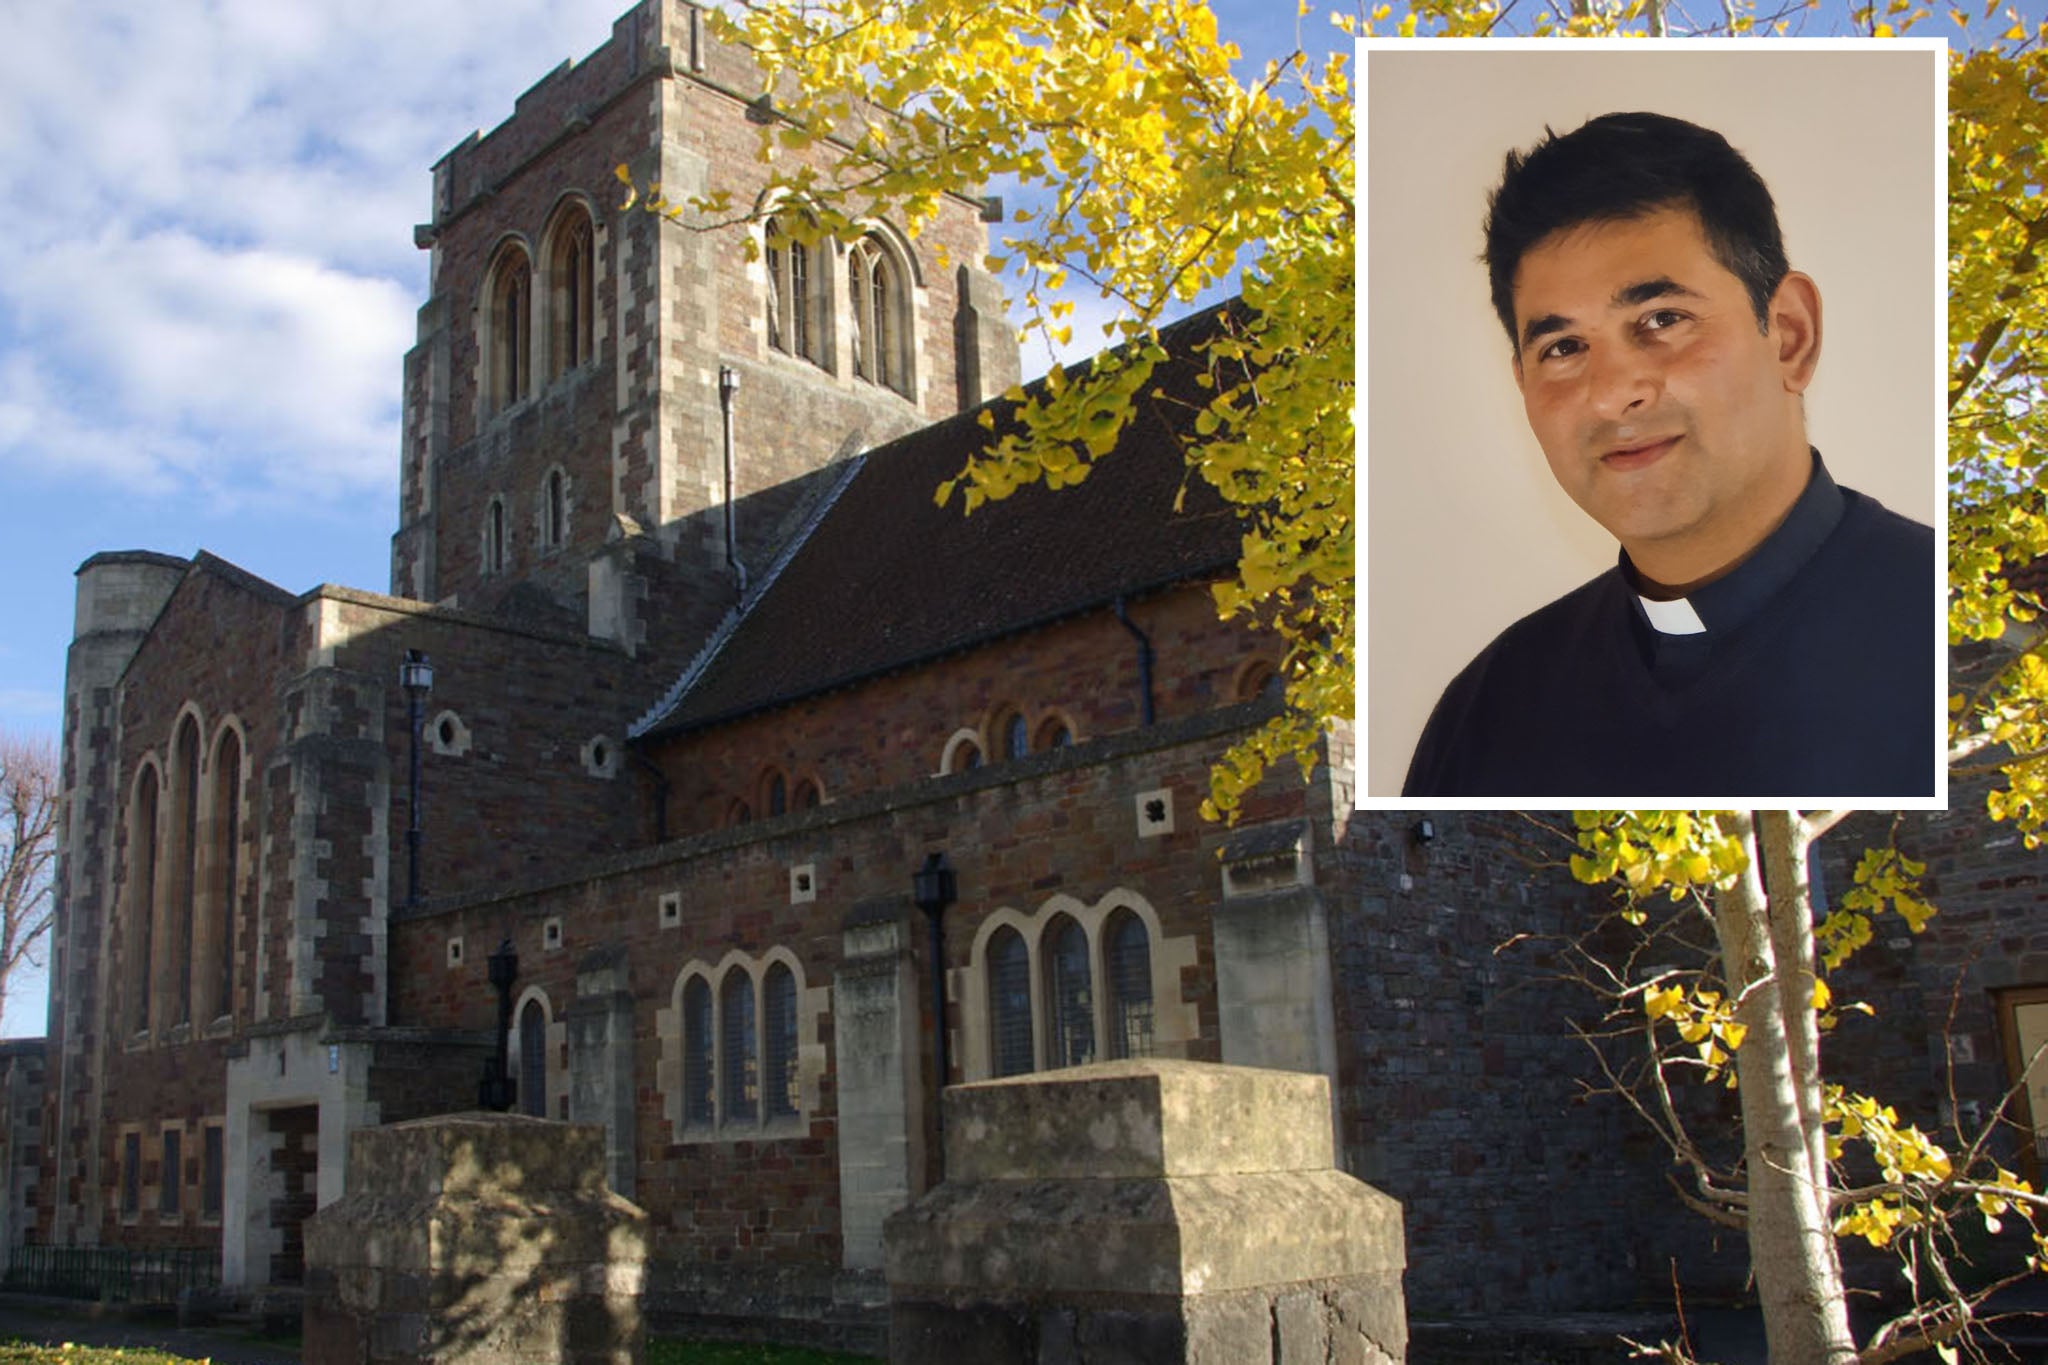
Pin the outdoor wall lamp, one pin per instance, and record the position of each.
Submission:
(1423, 831)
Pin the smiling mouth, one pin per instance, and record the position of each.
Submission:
(1640, 455)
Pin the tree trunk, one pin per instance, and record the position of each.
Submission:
(1791, 1239)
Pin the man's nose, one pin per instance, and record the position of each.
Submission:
(1620, 380)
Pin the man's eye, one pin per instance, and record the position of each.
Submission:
(1557, 350)
(1661, 319)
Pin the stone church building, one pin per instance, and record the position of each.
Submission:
(711, 679)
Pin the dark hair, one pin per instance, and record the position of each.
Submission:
(1622, 166)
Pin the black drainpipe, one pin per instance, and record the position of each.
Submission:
(728, 385)
(1144, 659)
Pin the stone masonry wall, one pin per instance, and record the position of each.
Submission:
(1459, 1076)
(738, 1207)
(637, 428)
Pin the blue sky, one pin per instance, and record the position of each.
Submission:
(212, 281)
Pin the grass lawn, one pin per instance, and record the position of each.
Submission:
(660, 1351)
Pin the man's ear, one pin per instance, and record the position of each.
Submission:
(1517, 361)
(1795, 328)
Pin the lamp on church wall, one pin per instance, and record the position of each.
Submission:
(932, 889)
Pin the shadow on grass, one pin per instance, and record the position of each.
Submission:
(674, 1351)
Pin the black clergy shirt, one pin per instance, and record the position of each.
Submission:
(1806, 671)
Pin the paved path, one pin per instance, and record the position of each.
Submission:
(52, 1325)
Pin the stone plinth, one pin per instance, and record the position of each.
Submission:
(1148, 1211)
(483, 1239)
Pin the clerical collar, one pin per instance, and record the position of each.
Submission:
(1734, 597)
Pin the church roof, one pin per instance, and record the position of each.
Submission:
(883, 578)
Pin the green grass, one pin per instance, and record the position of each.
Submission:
(660, 1351)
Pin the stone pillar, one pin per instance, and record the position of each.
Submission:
(600, 1027)
(875, 1036)
(476, 1239)
(1274, 1006)
(1152, 1211)
(984, 342)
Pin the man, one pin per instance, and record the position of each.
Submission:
(1765, 633)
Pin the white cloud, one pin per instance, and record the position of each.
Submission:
(212, 278)
(217, 366)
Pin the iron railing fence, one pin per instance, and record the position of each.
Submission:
(112, 1274)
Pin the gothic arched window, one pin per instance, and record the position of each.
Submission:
(1009, 994)
(697, 1052)
(740, 1078)
(141, 894)
(494, 537)
(184, 867)
(554, 510)
(796, 293)
(572, 288)
(879, 306)
(779, 1040)
(507, 333)
(1127, 965)
(1070, 1003)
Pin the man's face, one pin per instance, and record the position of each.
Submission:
(1662, 409)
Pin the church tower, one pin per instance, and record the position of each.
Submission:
(609, 415)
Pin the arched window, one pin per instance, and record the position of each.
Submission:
(533, 1060)
(778, 1029)
(224, 861)
(1127, 963)
(778, 795)
(1009, 994)
(878, 306)
(1259, 679)
(508, 339)
(739, 813)
(494, 537)
(795, 294)
(806, 796)
(1053, 733)
(554, 510)
(142, 870)
(697, 1101)
(572, 289)
(1016, 737)
(1069, 1001)
(740, 1078)
(184, 867)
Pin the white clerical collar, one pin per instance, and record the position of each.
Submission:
(1675, 617)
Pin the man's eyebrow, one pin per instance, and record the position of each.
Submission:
(1642, 291)
(1537, 328)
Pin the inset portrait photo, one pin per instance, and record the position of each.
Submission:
(1651, 355)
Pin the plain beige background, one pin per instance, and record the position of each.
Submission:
(1465, 530)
